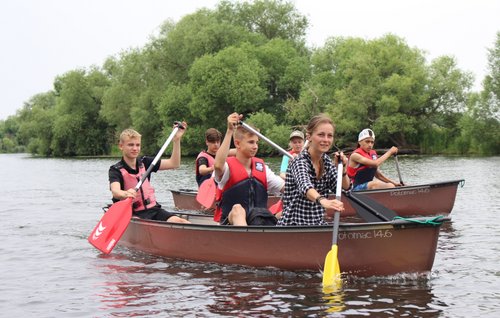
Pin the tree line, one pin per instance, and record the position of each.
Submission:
(252, 58)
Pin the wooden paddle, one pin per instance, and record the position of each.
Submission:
(397, 168)
(331, 269)
(114, 222)
(206, 193)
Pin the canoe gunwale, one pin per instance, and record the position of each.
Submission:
(417, 186)
(344, 226)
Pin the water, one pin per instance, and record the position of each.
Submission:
(48, 269)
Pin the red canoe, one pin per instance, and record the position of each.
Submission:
(365, 249)
(416, 200)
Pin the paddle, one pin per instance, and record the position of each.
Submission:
(278, 206)
(249, 128)
(397, 168)
(114, 222)
(369, 209)
(206, 193)
(331, 270)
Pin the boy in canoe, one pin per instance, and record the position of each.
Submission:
(243, 181)
(124, 175)
(296, 144)
(206, 158)
(363, 167)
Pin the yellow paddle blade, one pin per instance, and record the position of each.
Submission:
(331, 270)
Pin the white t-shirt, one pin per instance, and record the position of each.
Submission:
(274, 182)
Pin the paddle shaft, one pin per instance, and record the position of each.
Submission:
(336, 216)
(397, 168)
(158, 156)
(261, 136)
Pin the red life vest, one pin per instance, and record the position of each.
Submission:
(361, 173)
(146, 195)
(211, 162)
(241, 189)
(210, 159)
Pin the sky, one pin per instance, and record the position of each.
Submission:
(44, 39)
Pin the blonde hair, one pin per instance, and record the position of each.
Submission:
(240, 132)
(128, 134)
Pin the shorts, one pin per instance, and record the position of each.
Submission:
(257, 216)
(155, 213)
(362, 186)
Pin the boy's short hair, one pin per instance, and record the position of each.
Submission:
(129, 133)
(213, 135)
(240, 132)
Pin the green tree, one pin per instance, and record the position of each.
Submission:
(231, 80)
(271, 18)
(78, 128)
(37, 118)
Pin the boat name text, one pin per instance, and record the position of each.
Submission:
(409, 192)
(365, 235)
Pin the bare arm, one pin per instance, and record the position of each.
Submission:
(120, 194)
(204, 170)
(379, 175)
(357, 158)
(175, 159)
(223, 152)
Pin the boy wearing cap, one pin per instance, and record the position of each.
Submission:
(296, 144)
(363, 167)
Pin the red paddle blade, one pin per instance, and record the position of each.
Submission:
(206, 193)
(110, 228)
(277, 207)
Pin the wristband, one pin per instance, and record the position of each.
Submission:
(319, 198)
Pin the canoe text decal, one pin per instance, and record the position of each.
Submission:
(365, 235)
(409, 192)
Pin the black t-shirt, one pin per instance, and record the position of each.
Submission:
(116, 176)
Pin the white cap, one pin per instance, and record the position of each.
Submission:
(365, 133)
(297, 133)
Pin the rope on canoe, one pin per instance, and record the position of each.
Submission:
(433, 221)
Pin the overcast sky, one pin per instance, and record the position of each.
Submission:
(44, 39)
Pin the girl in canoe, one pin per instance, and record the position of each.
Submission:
(311, 175)
(363, 168)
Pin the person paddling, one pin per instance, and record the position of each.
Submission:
(243, 181)
(311, 176)
(363, 168)
(206, 158)
(296, 145)
(124, 175)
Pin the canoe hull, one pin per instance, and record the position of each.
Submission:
(370, 249)
(418, 200)
(185, 199)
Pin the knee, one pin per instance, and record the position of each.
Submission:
(238, 210)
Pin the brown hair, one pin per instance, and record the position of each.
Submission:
(213, 135)
(318, 120)
(129, 133)
(312, 125)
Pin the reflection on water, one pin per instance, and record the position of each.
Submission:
(49, 206)
(135, 281)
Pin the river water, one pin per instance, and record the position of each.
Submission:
(48, 269)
